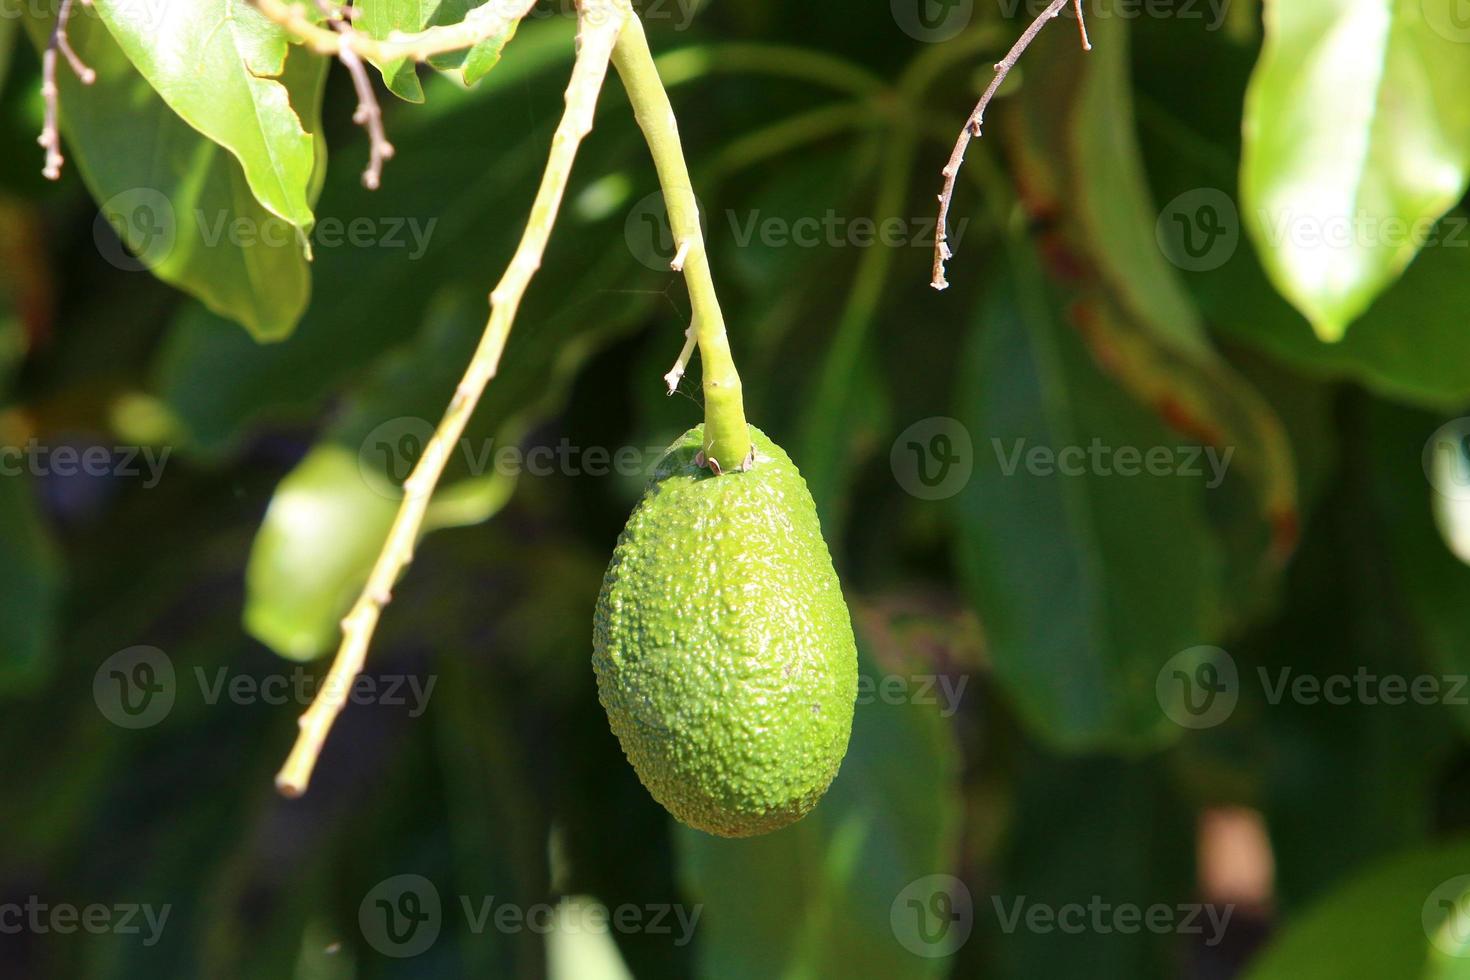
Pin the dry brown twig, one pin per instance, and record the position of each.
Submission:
(50, 138)
(971, 129)
(369, 114)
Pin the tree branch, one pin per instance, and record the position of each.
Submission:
(485, 21)
(942, 252)
(50, 138)
(368, 115)
(601, 21)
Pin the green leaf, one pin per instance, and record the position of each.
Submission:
(325, 525)
(378, 19)
(442, 221)
(30, 589)
(1086, 183)
(1403, 347)
(817, 899)
(1390, 914)
(1357, 134)
(1086, 830)
(221, 65)
(173, 196)
(1086, 583)
(1417, 472)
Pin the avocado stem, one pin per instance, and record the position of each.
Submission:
(726, 436)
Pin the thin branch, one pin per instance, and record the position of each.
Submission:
(50, 138)
(368, 115)
(726, 436)
(601, 21)
(1082, 26)
(676, 373)
(942, 252)
(488, 20)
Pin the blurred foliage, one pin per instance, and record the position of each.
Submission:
(1023, 739)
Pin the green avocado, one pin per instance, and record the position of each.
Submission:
(723, 649)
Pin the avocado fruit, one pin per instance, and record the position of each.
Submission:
(723, 648)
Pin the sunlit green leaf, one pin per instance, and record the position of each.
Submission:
(379, 18)
(1357, 137)
(178, 200)
(222, 67)
(1403, 346)
(325, 525)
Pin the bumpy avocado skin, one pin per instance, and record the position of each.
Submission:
(723, 649)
